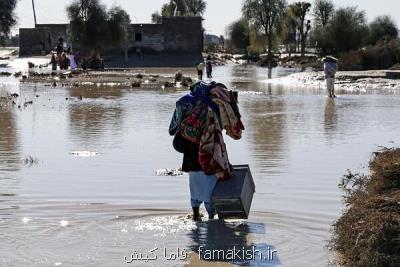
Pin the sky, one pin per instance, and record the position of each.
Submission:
(219, 13)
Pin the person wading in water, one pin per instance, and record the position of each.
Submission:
(197, 125)
(330, 69)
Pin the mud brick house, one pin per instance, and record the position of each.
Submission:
(173, 36)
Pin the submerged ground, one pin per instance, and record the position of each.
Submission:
(78, 183)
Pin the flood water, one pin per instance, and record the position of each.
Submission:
(78, 183)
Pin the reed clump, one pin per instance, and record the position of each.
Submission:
(368, 233)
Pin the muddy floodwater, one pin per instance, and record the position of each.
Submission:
(78, 183)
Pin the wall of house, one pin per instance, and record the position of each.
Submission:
(56, 31)
(183, 35)
(148, 37)
(33, 41)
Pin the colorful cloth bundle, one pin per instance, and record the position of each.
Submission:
(200, 118)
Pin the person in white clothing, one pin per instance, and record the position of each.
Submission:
(72, 61)
(330, 69)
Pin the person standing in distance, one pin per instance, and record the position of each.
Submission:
(330, 69)
(209, 67)
(200, 69)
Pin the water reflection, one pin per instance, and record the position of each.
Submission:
(97, 119)
(222, 241)
(296, 171)
(93, 92)
(330, 121)
(267, 130)
(9, 147)
(243, 78)
(10, 159)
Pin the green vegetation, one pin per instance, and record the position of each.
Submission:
(266, 17)
(182, 7)
(368, 233)
(343, 32)
(94, 28)
(381, 29)
(299, 10)
(346, 31)
(383, 55)
(239, 35)
(196, 7)
(7, 18)
(323, 12)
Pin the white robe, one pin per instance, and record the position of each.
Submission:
(72, 62)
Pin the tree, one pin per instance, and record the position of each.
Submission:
(289, 31)
(168, 9)
(346, 31)
(156, 17)
(92, 27)
(239, 35)
(88, 23)
(196, 7)
(382, 28)
(118, 28)
(300, 10)
(7, 18)
(323, 12)
(182, 8)
(266, 16)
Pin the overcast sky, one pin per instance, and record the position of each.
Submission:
(219, 13)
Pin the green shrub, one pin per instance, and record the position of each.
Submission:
(381, 56)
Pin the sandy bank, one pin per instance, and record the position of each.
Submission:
(345, 80)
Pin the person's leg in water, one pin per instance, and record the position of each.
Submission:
(201, 188)
(210, 209)
(196, 209)
(329, 85)
(333, 87)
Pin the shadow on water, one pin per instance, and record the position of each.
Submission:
(222, 241)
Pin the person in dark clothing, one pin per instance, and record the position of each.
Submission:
(63, 61)
(53, 61)
(209, 67)
(60, 46)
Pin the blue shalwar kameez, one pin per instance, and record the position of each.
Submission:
(201, 188)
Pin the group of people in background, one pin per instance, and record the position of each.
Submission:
(63, 58)
(200, 69)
